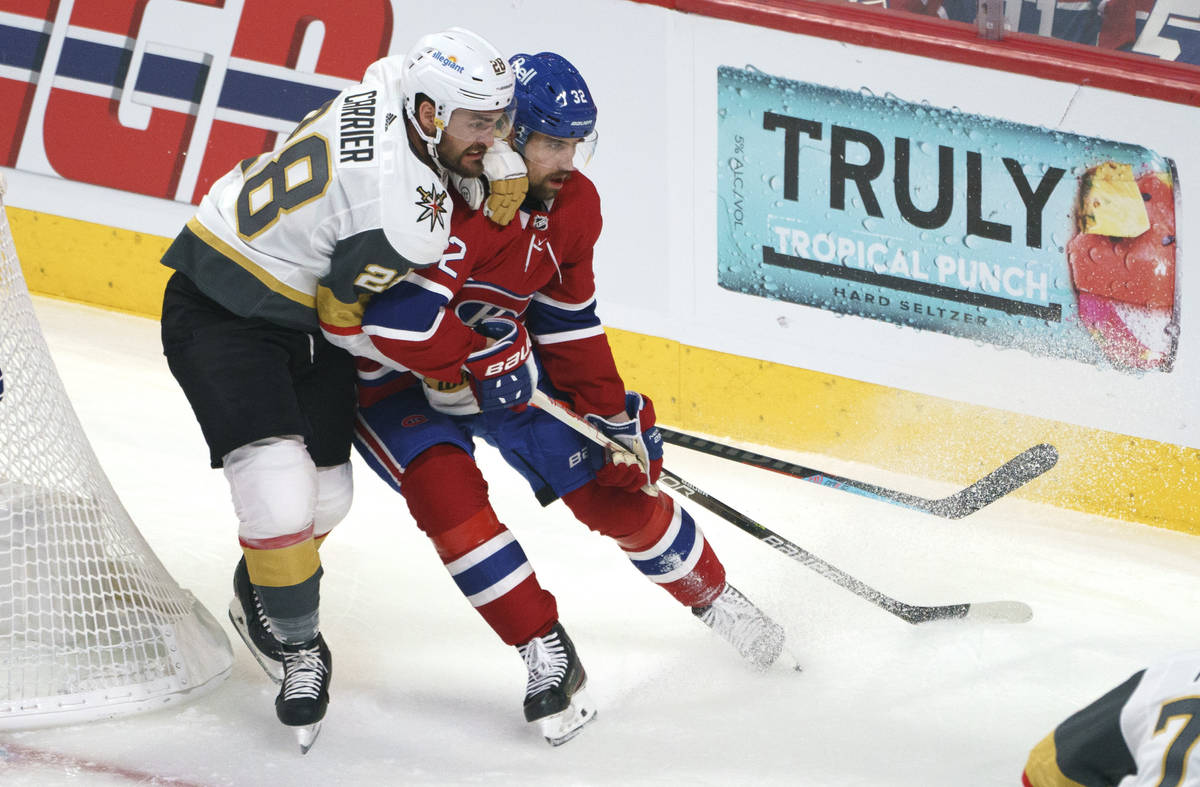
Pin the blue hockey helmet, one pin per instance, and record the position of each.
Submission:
(551, 98)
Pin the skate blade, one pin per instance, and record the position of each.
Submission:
(565, 725)
(306, 736)
(274, 669)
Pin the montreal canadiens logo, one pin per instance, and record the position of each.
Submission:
(413, 420)
(472, 312)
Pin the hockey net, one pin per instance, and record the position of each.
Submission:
(91, 624)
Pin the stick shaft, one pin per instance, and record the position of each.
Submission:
(1014, 473)
(1001, 611)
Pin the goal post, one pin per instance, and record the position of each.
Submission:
(92, 625)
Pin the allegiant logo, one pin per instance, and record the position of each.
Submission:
(448, 61)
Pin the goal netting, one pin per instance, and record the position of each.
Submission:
(91, 623)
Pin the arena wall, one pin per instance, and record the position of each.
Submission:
(710, 265)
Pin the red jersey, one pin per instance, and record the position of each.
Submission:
(537, 269)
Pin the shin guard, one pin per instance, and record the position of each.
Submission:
(658, 535)
(447, 496)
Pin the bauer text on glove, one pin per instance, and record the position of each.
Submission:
(503, 374)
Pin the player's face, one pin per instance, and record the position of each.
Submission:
(467, 137)
(550, 161)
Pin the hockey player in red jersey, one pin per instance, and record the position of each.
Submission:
(271, 277)
(522, 299)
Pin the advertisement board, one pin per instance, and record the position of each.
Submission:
(947, 274)
(161, 98)
(939, 220)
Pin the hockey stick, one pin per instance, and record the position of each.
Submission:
(996, 611)
(1016, 472)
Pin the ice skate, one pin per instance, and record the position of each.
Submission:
(304, 694)
(754, 635)
(247, 615)
(554, 696)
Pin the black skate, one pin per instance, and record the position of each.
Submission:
(304, 694)
(755, 636)
(554, 696)
(246, 613)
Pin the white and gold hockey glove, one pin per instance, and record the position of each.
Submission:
(502, 188)
(507, 182)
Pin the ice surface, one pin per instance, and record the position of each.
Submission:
(423, 693)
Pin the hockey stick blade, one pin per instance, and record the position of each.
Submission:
(1013, 474)
(1000, 612)
(991, 611)
(995, 611)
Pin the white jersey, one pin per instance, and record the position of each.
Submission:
(342, 209)
(1144, 731)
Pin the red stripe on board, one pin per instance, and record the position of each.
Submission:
(13, 754)
(1018, 53)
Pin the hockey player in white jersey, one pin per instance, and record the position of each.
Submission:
(272, 276)
(1141, 733)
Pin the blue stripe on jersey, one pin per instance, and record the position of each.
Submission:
(676, 554)
(490, 570)
(543, 319)
(481, 289)
(404, 307)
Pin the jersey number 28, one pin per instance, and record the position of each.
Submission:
(295, 177)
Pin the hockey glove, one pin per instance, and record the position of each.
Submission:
(472, 190)
(638, 433)
(503, 374)
(507, 182)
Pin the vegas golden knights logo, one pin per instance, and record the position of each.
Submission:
(433, 205)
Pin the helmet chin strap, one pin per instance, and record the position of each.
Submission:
(430, 145)
(438, 166)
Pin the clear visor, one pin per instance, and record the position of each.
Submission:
(557, 153)
(472, 126)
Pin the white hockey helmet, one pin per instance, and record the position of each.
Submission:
(456, 69)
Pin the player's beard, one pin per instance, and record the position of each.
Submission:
(466, 169)
(544, 191)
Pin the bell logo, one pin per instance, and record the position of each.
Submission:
(523, 74)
